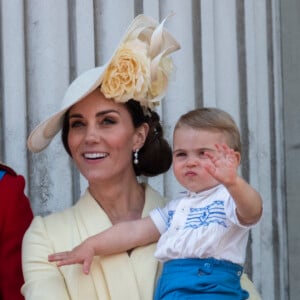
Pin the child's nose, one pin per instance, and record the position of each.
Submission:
(192, 161)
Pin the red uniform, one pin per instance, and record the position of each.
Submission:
(15, 217)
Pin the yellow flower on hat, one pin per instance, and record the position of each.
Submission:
(128, 74)
(140, 68)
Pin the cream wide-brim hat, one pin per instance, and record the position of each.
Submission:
(143, 28)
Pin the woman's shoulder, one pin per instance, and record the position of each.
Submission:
(53, 227)
(63, 218)
(48, 234)
(56, 219)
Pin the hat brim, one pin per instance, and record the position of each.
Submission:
(42, 135)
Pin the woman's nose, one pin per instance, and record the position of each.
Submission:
(92, 135)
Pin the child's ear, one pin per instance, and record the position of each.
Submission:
(238, 156)
(141, 136)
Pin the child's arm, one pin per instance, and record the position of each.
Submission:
(118, 238)
(223, 167)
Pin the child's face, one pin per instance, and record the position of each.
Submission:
(189, 146)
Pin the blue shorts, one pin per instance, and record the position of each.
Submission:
(203, 279)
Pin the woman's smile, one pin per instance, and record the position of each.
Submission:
(95, 155)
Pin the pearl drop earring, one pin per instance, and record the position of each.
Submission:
(136, 157)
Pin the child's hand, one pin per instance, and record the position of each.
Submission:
(223, 164)
(82, 254)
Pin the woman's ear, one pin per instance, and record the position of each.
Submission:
(140, 136)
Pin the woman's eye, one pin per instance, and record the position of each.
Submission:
(76, 124)
(108, 121)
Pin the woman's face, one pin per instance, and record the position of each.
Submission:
(102, 138)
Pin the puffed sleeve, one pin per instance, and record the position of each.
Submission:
(43, 280)
(15, 217)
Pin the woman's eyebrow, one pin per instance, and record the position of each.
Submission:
(98, 114)
(104, 112)
(75, 116)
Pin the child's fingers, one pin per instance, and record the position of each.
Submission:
(68, 261)
(86, 265)
(210, 169)
(57, 256)
(224, 149)
(64, 258)
(213, 157)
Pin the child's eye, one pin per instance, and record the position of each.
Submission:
(178, 154)
(202, 154)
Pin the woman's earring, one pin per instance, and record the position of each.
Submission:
(136, 157)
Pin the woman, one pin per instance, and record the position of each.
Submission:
(15, 218)
(112, 139)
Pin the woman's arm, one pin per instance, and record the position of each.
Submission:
(43, 280)
(118, 238)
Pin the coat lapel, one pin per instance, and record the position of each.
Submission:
(119, 276)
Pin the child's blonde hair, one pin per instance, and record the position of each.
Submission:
(213, 119)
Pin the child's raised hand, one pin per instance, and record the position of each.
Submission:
(223, 164)
(82, 254)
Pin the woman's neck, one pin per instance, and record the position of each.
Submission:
(121, 202)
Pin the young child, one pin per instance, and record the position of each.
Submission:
(203, 234)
